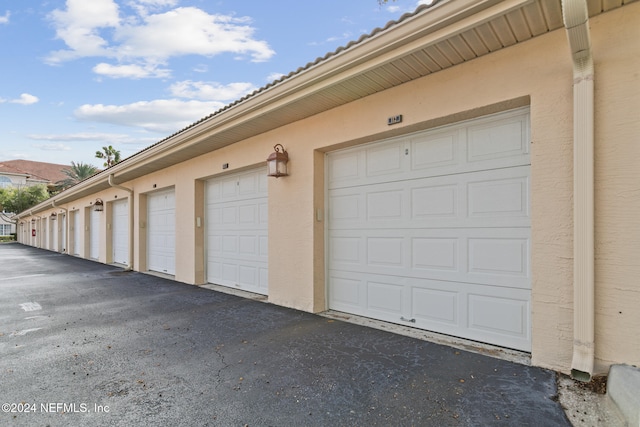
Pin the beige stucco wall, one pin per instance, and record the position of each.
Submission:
(537, 73)
(616, 45)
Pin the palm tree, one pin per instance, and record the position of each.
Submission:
(110, 154)
(78, 172)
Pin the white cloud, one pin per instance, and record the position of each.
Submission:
(188, 30)
(25, 99)
(162, 116)
(394, 8)
(201, 68)
(333, 39)
(53, 147)
(210, 91)
(80, 137)
(147, 38)
(131, 71)
(5, 18)
(274, 76)
(79, 27)
(144, 7)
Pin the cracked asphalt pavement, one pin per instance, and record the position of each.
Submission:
(86, 344)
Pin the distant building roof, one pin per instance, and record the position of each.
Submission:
(49, 172)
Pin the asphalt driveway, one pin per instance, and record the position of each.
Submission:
(83, 343)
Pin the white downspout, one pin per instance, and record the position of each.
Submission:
(131, 222)
(66, 226)
(576, 21)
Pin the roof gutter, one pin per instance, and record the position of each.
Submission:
(576, 21)
(130, 191)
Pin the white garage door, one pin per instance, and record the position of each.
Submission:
(63, 233)
(77, 232)
(94, 234)
(237, 231)
(53, 234)
(120, 230)
(432, 230)
(161, 226)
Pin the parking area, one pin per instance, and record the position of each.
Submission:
(82, 343)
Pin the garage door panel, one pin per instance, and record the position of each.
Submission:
(482, 256)
(435, 150)
(344, 292)
(497, 256)
(239, 274)
(504, 195)
(495, 198)
(248, 245)
(230, 245)
(489, 143)
(385, 160)
(498, 315)
(248, 214)
(345, 249)
(247, 184)
(229, 188)
(237, 238)
(435, 253)
(385, 251)
(345, 169)
(346, 208)
(385, 205)
(236, 187)
(229, 215)
(436, 305)
(432, 230)
(247, 275)
(500, 138)
(263, 243)
(238, 244)
(470, 311)
(434, 201)
(502, 317)
(385, 297)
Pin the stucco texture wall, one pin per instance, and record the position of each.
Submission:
(616, 49)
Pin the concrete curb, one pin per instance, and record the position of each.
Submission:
(623, 388)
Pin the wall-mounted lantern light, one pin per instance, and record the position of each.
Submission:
(277, 162)
(98, 206)
(54, 216)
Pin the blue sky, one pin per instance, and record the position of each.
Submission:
(81, 74)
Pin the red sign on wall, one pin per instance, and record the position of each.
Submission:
(33, 232)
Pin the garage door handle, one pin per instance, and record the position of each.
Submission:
(408, 320)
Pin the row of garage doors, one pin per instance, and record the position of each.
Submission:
(430, 230)
(236, 224)
(236, 221)
(119, 227)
